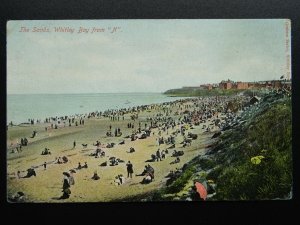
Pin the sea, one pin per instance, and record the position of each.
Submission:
(21, 107)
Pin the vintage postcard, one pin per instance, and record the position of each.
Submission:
(149, 110)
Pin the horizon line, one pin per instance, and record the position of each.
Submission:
(67, 93)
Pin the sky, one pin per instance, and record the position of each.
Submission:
(142, 55)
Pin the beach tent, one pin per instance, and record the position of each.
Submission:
(201, 190)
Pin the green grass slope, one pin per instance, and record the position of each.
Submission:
(252, 161)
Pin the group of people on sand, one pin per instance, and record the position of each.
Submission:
(148, 174)
(79, 167)
(186, 113)
(118, 132)
(24, 141)
(68, 179)
(18, 147)
(60, 160)
(64, 119)
(119, 179)
(30, 172)
(46, 151)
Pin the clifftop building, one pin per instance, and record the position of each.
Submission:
(229, 84)
(226, 84)
(242, 85)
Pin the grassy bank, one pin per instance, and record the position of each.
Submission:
(268, 136)
(252, 161)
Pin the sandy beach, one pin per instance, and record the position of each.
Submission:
(46, 186)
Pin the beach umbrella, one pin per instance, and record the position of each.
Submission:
(201, 190)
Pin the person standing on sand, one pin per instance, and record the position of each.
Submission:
(45, 165)
(25, 141)
(66, 186)
(158, 155)
(74, 144)
(129, 169)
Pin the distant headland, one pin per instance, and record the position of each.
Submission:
(227, 87)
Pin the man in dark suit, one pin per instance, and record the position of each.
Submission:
(129, 169)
